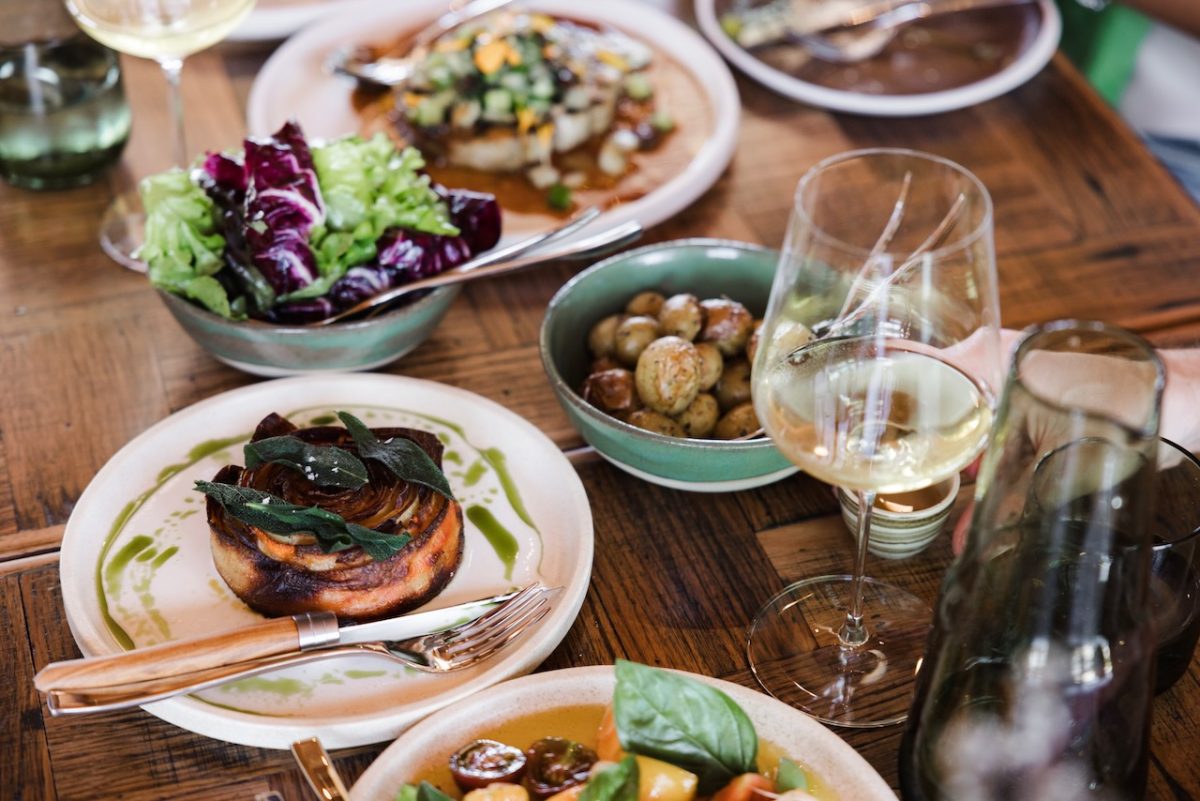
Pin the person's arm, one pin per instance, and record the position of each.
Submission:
(1181, 399)
(1182, 14)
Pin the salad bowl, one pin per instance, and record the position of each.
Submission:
(555, 700)
(272, 350)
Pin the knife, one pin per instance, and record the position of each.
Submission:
(282, 636)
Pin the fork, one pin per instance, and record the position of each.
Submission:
(445, 651)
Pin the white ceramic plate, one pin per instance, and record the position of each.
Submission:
(136, 567)
(820, 751)
(272, 20)
(1031, 60)
(295, 84)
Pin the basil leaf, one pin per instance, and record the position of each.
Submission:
(324, 465)
(427, 792)
(278, 517)
(790, 776)
(616, 783)
(402, 456)
(679, 720)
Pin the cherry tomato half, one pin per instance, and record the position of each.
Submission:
(483, 762)
(555, 764)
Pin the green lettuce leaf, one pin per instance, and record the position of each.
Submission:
(368, 186)
(182, 249)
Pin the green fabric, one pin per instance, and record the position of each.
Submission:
(1103, 44)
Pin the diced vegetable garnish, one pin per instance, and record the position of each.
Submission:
(790, 776)
(638, 86)
(559, 197)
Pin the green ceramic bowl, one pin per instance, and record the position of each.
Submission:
(705, 268)
(276, 350)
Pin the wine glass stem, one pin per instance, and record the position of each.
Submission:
(172, 70)
(854, 632)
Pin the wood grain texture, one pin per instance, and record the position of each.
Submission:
(1087, 224)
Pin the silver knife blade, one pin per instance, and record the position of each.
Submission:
(415, 624)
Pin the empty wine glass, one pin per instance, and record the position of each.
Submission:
(876, 372)
(166, 31)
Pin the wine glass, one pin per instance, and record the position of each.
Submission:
(878, 362)
(166, 31)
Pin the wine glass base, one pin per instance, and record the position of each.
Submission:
(796, 656)
(123, 230)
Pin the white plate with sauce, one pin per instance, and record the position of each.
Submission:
(941, 64)
(692, 84)
(136, 567)
(569, 703)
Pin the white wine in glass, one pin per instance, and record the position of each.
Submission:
(166, 31)
(876, 371)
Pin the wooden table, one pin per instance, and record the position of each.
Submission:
(1087, 224)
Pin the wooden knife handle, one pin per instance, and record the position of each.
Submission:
(270, 638)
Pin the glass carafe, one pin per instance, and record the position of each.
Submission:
(1038, 678)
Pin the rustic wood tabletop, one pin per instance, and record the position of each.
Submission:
(1087, 225)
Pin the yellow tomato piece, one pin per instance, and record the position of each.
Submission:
(525, 119)
(541, 23)
(513, 57)
(498, 791)
(545, 135)
(569, 794)
(608, 745)
(412, 99)
(613, 60)
(490, 57)
(659, 781)
(453, 45)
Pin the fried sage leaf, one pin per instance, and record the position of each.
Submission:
(286, 520)
(324, 465)
(402, 456)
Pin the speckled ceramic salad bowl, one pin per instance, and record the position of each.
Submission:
(703, 267)
(276, 350)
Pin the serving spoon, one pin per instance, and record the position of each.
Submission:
(393, 71)
(597, 245)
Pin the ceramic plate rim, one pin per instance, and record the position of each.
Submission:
(657, 28)
(381, 774)
(266, 731)
(1028, 64)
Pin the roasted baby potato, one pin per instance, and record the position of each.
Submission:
(681, 316)
(711, 365)
(602, 339)
(727, 324)
(734, 387)
(632, 336)
(612, 391)
(653, 421)
(700, 417)
(648, 304)
(737, 422)
(668, 375)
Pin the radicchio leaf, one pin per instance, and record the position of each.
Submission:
(283, 203)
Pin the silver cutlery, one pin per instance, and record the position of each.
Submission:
(394, 71)
(596, 245)
(457, 648)
(271, 638)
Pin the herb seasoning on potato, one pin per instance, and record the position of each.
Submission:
(677, 366)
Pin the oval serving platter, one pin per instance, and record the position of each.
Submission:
(692, 84)
(136, 568)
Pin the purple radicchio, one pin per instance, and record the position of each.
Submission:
(405, 255)
(283, 203)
